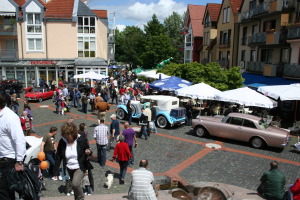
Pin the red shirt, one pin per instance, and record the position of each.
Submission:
(295, 189)
(122, 152)
(122, 91)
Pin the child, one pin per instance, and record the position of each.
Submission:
(86, 183)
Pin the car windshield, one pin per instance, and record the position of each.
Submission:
(225, 119)
(263, 124)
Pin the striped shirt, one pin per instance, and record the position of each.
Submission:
(100, 134)
(142, 188)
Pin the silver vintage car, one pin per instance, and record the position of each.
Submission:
(242, 127)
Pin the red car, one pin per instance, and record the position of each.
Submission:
(38, 94)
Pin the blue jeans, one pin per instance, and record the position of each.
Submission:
(78, 102)
(129, 117)
(101, 154)
(144, 132)
(112, 99)
(58, 106)
(123, 168)
(51, 158)
(84, 107)
(73, 104)
(16, 108)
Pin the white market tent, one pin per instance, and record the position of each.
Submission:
(247, 97)
(91, 75)
(282, 92)
(153, 74)
(198, 91)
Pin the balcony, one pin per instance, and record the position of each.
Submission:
(255, 67)
(261, 8)
(247, 15)
(9, 55)
(257, 38)
(224, 63)
(276, 38)
(293, 32)
(224, 42)
(291, 70)
(8, 29)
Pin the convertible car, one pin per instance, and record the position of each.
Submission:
(242, 127)
(38, 94)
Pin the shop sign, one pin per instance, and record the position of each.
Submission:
(43, 62)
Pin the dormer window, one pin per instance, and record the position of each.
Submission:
(86, 25)
(34, 23)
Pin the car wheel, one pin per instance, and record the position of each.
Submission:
(257, 142)
(121, 113)
(40, 99)
(161, 121)
(200, 131)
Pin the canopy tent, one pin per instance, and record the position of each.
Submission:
(198, 91)
(147, 73)
(170, 84)
(282, 92)
(153, 74)
(113, 67)
(137, 70)
(91, 75)
(247, 97)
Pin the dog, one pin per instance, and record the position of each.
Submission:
(109, 181)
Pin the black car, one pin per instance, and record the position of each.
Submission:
(81, 87)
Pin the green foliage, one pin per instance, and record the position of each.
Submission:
(154, 27)
(211, 74)
(130, 45)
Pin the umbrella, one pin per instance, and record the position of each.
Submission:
(282, 92)
(113, 67)
(198, 91)
(91, 75)
(170, 84)
(247, 97)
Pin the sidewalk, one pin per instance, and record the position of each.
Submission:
(163, 195)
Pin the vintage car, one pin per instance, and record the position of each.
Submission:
(168, 112)
(38, 94)
(243, 127)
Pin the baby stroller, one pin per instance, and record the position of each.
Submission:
(67, 107)
(34, 166)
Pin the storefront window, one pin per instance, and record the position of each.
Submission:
(10, 74)
(21, 76)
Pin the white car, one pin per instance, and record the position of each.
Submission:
(32, 147)
(168, 112)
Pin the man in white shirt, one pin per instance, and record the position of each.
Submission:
(101, 137)
(12, 147)
(65, 93)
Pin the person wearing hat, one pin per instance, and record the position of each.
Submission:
(114, 130)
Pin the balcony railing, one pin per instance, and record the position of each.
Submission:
(261, 8)
(257, 38)
(291, 70)
(256, 67)
(224, 42)
(9, 55)
(293, 32)
(247, 15)
(8, 29)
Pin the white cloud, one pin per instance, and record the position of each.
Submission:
(121, 27)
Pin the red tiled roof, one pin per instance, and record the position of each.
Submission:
(214, 10)
(196, 13)
(235, 5)
(20, 2)
(100, 13)
(58, 8)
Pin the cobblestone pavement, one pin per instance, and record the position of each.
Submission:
(176, 152)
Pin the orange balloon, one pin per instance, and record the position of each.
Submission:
(41, 156)
(44, 165)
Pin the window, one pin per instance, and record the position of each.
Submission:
(243, 55)
(34, 44)
(254, 29)
(188, 40)
(244, 37)
(86, 25)
(253, 56)
(236, 121)
(252, 5)
(34, 23)
(248, 123)
(228, 14)
(224, 15)
(86, 47)
(266, 56)
(269, 25)
(229, 36)
(207, 20)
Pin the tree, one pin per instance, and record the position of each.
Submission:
(130, 45)
(173, 25)
(211, 74)
(154, 27)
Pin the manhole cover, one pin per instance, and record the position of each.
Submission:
(44, 106)
(213, 146)
(182, 145)
(175, 155)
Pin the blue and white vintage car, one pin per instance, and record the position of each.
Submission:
(168, 112)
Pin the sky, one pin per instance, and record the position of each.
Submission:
(139, 12)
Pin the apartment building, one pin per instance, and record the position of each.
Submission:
(228, 32)
(263, 40)
(51, 39)
(209, 49)
(194, 33)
